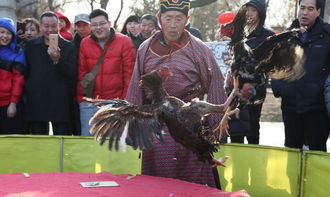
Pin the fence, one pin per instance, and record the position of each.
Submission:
(261, 170)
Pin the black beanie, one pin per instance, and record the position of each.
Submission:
(176, 5)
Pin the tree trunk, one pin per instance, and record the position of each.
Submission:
(91, 4)
(200, 3)
(7, 9)
(121, 9)
(104, 4)
(50, 5)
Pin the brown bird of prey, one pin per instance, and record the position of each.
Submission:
(276, 56)
(139, 126)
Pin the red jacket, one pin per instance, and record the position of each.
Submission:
(65, 31)
(12, 67)
(11, 86)
(116, 69)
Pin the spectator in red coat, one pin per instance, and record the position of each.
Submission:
(115, 71)
(65, 26)
(12, 66)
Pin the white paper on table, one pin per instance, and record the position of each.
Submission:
(100, 184)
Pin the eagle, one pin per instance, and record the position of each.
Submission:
(139, 126)
(276, 56)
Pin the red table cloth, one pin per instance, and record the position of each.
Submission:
(68, 185)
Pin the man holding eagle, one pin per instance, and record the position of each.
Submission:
(195, 74)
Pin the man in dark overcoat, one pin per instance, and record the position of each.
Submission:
(303, 108)
(51, 71)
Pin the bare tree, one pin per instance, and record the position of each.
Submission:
(58, 4)
(25, 4)
(34, 8)
(115, 25)
(26, 8)
(92, 3)
(281, 14)
(204, 18)
(207, 22)
(104, 4)
(201, 3)
(140, 7)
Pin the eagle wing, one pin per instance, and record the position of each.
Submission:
(280, 57)
(132, 125)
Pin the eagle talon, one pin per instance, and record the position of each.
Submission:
(219, 162)
(223, 126)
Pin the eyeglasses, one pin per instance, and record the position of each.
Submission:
(102, 24)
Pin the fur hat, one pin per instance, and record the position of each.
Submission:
(176, 5)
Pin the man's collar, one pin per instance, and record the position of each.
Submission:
(160, 47)
(296, 24)
(184, 38)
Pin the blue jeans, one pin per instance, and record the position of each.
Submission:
(87, 110)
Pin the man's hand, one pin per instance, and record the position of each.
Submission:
(54, 53)
(11, 110)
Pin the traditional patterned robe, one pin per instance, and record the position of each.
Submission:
(195, 73)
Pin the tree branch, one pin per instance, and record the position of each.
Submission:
(200, 3)
(26, 5)
(121, 9)
(104, 3)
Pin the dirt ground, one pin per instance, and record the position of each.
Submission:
(271, 110)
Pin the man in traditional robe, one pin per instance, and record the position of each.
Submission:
(195, 74)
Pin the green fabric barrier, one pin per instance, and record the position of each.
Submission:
(64, 154)
(86, 155)
(29, 154)
(261, 170)
(316, 174)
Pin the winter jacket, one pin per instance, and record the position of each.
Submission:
(256, 37)
(48, 85)
(116, 69)
(327, 94)
(65, 31)
(12, 67)
(137, 40)
(241, 126)
(306, 94)
(77, 41)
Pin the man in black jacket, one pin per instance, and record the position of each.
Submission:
(82, 29)
(303, 109)
(51, 70)
(248, 123)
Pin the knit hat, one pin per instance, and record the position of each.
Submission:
(175, 5)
